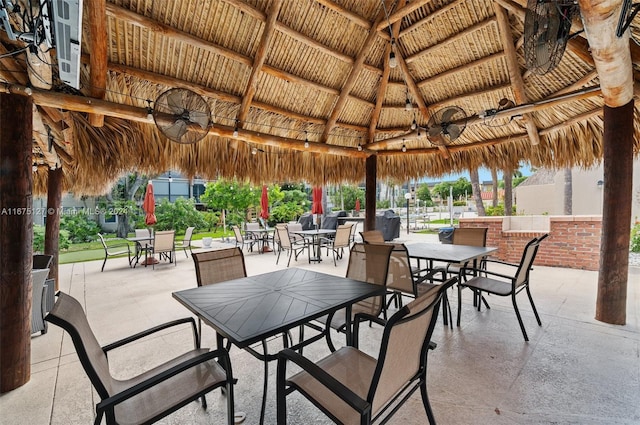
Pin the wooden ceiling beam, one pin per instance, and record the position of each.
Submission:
(258, 61)
(426, 19)
(98, 47)
(449, 72)
(464, 96)
(384, 81)
(353, 17)
(480, 25)
(351, 79)
(11, 70)
(41, 136)
(132, 113)
(514, 70)
(401, 12)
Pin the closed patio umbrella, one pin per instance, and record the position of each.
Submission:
(264, 203)
(316, 205)
(149, 206)
(357, 205)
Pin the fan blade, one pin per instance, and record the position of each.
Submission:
(453, 131)
(448, 114)
(174, 101)
(200, 118)
(435, 130)
(175, 131)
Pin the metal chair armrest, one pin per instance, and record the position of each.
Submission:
(153, 330)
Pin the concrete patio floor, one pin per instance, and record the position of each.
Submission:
(575, 370)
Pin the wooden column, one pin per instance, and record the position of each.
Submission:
(16, 243)
(611, 305)
(52, 226)
(370, 193)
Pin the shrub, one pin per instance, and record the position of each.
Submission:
(38, 239)
(178, 216)
(80, 225)
(285, 212)
(635, 238)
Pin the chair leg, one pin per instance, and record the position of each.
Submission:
(515, 307)
(104, 262)
(290, 254)
(533, 306)
(281, 393)
(278, 257)
(425, 401)
(459, 304)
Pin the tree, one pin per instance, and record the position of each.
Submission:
(348, 195)
(568, 191)
(494, 187)
(508, 192)
(179, 215)
(424, 194)
(477, 192)
(231, 196)
(123, 200)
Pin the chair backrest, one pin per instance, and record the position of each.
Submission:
(400, 277)
(69, 315)
(283, 234)
(164, 240)
(404, 345)
(369, 263)
(252, 226)
(187, 236)
(104, 244)
(42, 261)
(294, 227)
(473, 236)
(142, 233)
(372, 236)
(526, 262)
(237, 233)
(219, 265)
(343, 236)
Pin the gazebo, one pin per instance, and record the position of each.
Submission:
(322, 91)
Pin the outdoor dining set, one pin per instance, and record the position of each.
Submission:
(399, 287)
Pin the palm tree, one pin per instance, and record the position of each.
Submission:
(568, 191)
(477, 192)
(494, 179)
(508, 191)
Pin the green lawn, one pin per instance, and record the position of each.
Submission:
(91, 251)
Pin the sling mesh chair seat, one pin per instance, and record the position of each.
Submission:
(372, 236)
(164, 244)
(352, 387)
(155, 393)
(367, 263)
(339, 242)
(502, 284)
(294, 246)
(241, 240)
(186, 242)
(114, 249)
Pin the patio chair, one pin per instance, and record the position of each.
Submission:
(240, 239)
(114, 249)
(154, 394)
(296, 227)
(287, 244)
(352, 387)
(339, 242)
(502, 284)
(372, 236)
(143, 247)
(186, 242)
(164, 245)
(367, 263)
(218, 266)
(39, 294)
(403, 281)
(43, 261)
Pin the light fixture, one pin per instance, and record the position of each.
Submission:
(359, 147)
(34, 168)
(306, 140)
(414, 124)
(404, 148)
(235, 130)
(170, 178)
(393, 62)
(408, 106)
(254, 151)
(149, 110)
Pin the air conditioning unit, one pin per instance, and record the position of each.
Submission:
(67, 30)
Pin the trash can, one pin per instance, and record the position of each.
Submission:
(445, 234)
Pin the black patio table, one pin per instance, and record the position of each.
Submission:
(448, 253)
(139, 240)
(255, 308)
(315, 234)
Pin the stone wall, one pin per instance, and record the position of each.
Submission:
(573, 242)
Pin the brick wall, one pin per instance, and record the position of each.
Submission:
(573, 242)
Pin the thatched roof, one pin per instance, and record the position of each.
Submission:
(286, 71)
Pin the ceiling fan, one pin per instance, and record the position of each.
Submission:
(182, 115)
(446, 125)
(546, 31)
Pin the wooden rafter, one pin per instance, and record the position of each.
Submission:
(351, 79)
(514, 70)
(402, 12)
(40, 135)
(98, 47)
(452, 71)
(384, 81)
(258, 61)
(435, 14)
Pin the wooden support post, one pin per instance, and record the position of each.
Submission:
(52, 226)
(16, 228)
(370, 193)
(611, 303)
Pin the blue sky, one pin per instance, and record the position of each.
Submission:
(485, 175)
